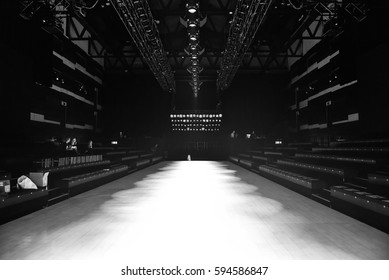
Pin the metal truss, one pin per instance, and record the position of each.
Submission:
(138, 20)
(78, 32)
(248, 16)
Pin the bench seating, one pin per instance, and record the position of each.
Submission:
(143, 162)
(22, 202)
(256, 152)
(287, 150)
(370, 208)
(245, 162)
(379, 179)
(146, 155)
(367, 142)
(234, 159)
(379, 183)
(244, 155)
(310, 185)
(301, 144)
(279, 154)
(80, 183)
(337, 158)
(312, 167)
(259, 158)
(130, 158)
(157, 159)
(73, 166)
(370, 152)
(115, 153)
(52, 163)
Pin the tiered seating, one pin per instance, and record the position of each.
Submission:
(69, 166)
(370, 208)
(274, 154)
(360, 167)
(320, 170)
(369, 152)
(72, 174)
(287, 150)
(336, 158)
(83, 182)
(301, 145)
(361, 143)
(22, 202)
(379, 183)
(294, 180)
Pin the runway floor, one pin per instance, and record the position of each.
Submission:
(189, 210)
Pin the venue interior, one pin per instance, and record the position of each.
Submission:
(210, 129)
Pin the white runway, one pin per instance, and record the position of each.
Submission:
(190, 210)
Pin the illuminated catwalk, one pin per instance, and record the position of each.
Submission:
(191, 210)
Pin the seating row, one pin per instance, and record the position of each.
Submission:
(47, 163)
(123, 152)
(250, 160)
(15, 205)
(73, 167)
(350, 149)
(363, 173)
(313, 185)
(379, 183)
(336, 158)
(66, 182)
(368, 142)
(317, 168)
(370, 208)
(303, 184)
(82, 182)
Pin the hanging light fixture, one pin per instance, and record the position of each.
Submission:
(192, 6)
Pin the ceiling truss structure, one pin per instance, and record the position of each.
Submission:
(256, 54)
(248, 16)
(138, 20)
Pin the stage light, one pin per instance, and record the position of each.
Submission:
(192, 6)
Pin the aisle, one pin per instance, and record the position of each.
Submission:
(190, 210)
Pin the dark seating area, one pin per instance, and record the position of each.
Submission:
(351, 179)
(67, 174)
(302, 184)
(368, 207)
(379, 183)
(22, 202)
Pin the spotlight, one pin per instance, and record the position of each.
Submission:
(192, 24)
(192, 6)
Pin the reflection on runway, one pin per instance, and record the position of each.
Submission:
(190, 210)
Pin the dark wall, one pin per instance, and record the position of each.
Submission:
(26, 52)
(27, 67)
(256, 103)
(363, 57)
(372, 60)
(135, 104)
(207, 97)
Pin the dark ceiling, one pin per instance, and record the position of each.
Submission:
(282, 20)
